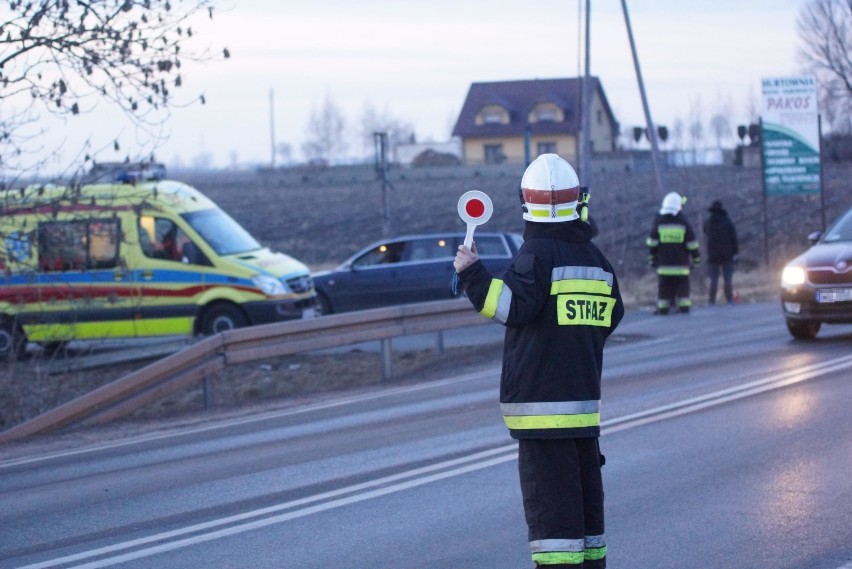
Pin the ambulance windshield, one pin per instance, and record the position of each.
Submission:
(222, 233)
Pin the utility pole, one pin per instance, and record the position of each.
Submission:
(651, 129)
(272, 125)
(380, 140)
(586, 106)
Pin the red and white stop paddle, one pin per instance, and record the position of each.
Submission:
(475, 208)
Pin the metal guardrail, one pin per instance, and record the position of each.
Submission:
(198, 361)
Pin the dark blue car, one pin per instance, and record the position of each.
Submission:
(410, 268)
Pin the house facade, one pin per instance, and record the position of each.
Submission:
(500, 120)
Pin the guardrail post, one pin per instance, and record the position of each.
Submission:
(209, 392)
(387, 360)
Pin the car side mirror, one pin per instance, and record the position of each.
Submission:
(814, 236)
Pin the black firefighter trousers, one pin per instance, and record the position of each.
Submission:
(563, 501)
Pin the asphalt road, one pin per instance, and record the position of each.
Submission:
(727, 443)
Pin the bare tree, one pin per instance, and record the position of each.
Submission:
(324, 135)
(398, 131)
(66, 57)
(695, 126)
(678, 129)
(825, 28)
(720, 122)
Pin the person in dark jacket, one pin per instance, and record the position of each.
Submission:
(559, 300)
(722, 250)
(672, 251)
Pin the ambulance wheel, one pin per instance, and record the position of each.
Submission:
(13, 341)
(222, 317)
(803, 330)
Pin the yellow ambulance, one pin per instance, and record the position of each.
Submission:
(132, 258)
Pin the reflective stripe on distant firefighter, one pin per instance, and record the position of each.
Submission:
(672, 270)
(497, 301)
(552, 414)
(573, 307)
(671, 233)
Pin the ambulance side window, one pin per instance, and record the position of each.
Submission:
(161, 238)
(78, 245)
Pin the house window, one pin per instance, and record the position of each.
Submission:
(546, 112)
(492, 114)
(78, 245)
(494, 154)
(546, 148)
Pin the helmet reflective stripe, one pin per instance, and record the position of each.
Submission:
(547, 213)
(550, 190)
(671, 233)
(497, 301)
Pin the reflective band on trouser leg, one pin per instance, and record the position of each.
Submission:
(595, 547)
(497, 301)
(672, 271)
(558, 551)
(551, 415)
(684, 302)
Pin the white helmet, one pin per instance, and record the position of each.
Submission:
(549, 190)
(672, 203)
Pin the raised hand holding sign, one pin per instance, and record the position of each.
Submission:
(475, 208)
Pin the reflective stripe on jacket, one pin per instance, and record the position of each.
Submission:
(559, 301)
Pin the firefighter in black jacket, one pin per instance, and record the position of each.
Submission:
(672, 249)
(559, 301)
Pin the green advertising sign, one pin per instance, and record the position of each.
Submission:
(790, 136)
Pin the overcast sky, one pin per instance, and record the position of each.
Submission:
(416, 60)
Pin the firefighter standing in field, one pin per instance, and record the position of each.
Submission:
(672, 249)
(559, 300)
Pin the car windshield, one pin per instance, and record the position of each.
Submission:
(841, 230)
(222, 233)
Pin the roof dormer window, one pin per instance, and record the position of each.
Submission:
(492, 114)
(546, 112)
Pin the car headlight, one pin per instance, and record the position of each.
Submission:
(268, 285)
(793, 276)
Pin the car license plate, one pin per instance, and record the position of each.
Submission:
(834, 295)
